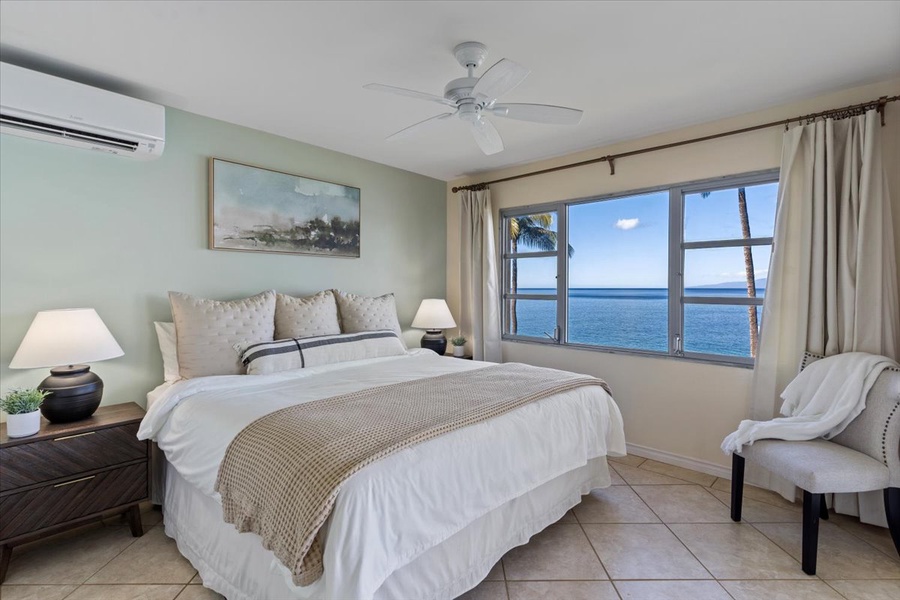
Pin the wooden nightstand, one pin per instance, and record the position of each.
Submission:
(71, 473)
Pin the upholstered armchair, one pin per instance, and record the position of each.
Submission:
(863, 457)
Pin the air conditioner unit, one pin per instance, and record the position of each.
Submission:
(43, 107)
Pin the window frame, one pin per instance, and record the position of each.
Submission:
(676, 254)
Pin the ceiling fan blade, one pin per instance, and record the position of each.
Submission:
(538, 113)
(421, 125)
(486, 136)
(380, 87)
(500, 79)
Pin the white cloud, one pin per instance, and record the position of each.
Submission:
(626, 224)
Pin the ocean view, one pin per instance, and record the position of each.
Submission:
(638, 318)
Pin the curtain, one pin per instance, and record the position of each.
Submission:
(832, 281)
(479, 293)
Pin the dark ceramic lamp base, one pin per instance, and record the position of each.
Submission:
(434, 340)
(75, 394)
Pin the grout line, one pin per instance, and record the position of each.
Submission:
(505, 580)
(833, 588)
(591, 544)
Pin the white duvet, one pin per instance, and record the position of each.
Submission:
(397, 508)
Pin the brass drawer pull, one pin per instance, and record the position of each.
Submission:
(74, 481)
(69, 437)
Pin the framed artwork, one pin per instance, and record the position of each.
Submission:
(260, 210)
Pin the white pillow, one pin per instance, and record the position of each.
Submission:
(306, 317)
(367, 313)
(165, 333)
(263, 358)
(206, 330)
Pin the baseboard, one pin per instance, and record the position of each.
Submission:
(678, 460)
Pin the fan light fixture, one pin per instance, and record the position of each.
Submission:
(474, 98)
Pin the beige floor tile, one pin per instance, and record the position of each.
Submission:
(678, 472)
(737, 551)
(559, 552)
(674, 590)
(867, 590)
(196, 579)
(126, 592)
(874, 535)
(35, 592)
(633, 476)
(841, 555)
(754, 511)
(755, 493)
(616, 504)
(813, 589)
(570, 590)
(568, 518)
(486, 590)
(683, 504)
(71, 557)
(638, 551)
(631, 460)
(615, 478)
(153, 558)
(198, 592)
(496, 573)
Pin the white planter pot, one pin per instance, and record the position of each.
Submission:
(459, 351)
(23, 425)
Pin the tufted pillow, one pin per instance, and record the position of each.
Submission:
(263, 358)
(367, 313)
(206, 331)
(808, 359)
(168, 347)
(306, 317)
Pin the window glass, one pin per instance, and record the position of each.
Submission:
(723, 271)
(536, 232)
(533, 318)
(718, 328)
(716, 215)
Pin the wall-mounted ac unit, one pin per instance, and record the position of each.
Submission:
(43, 107)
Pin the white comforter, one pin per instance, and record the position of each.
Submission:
(395, 509)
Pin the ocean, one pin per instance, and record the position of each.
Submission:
(637, 318)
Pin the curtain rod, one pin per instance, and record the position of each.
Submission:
(841, 113)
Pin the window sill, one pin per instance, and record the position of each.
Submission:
(628, 352)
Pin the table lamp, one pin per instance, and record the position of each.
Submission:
(434, 316)
(63, 339)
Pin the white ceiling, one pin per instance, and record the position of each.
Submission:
(297, 68)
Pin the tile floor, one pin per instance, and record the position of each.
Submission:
(659, 532)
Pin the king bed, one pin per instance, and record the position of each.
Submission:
(428, 520)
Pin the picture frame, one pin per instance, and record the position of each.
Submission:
(255, 209)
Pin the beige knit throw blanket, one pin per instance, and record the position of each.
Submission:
(281, 474)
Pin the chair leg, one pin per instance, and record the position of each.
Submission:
(737, 486)
(812, 504)
(892, 512)
(823, 510)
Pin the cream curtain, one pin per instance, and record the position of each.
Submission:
(479, 293)
(832, 281)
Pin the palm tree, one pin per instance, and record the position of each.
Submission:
(531, 231)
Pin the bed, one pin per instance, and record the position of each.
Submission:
(427, 522)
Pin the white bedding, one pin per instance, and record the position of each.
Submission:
(398, 508)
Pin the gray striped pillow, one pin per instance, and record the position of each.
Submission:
(263, 358)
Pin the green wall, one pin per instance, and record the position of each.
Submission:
(83, 229)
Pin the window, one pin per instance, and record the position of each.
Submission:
(679, 271)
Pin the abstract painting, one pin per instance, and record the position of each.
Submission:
(260, 210)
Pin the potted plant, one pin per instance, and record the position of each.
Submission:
(21, 406)
(459, 346)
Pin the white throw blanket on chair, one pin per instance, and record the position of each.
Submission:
(820, 402)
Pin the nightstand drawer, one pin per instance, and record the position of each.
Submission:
(68, 455)
(42, 507)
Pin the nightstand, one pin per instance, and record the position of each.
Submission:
(68, 474)
(465, 357)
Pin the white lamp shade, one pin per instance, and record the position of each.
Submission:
(65, 337)
(433, 314)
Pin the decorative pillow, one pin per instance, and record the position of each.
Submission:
(165, 333)
(808, 359)
(367, 313)
(206, 330)
(283, 355)
(306, 317)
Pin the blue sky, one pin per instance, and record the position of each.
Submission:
(624, 242)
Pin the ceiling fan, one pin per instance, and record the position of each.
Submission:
(474, 98)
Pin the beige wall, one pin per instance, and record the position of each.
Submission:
(672, 406)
